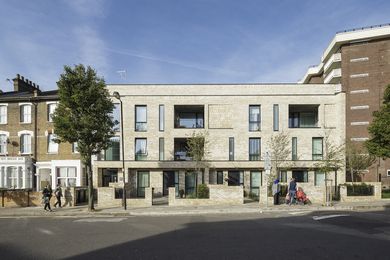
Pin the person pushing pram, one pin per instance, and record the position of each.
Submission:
(301, 197)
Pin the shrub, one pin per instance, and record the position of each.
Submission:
(360, 190)
(203, 191)
(385, 194)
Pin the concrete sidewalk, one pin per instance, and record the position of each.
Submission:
(164, 210)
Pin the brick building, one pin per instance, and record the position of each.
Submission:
(359, 59)
(29, 158)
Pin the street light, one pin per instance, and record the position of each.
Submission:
(118, 96)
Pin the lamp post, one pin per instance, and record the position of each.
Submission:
(118, 96)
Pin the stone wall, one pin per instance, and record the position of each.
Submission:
(106, 198)
(377, 193)
(219, 195)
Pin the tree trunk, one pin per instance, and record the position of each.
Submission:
(90, 185)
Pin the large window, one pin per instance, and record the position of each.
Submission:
(283, 176)
(317, 150)
(25, 144)
(189, 116)
(109, 175)
(66, 176)
(51, 107)
(52, 146)
(255, 184)
(3, 144)
(219, 177)
(254, 118)
(235, 178)
(113, 151)
(3, 114)
(140, 118)
(231, 148)
(300, 175)
(25, 114)
(294, 148)
(116, 117)
(140, 149)
(161, 118)
(142, 183)
(303, 116)
(190, 183)
(254, 149)
(13, 177)
(276, 117)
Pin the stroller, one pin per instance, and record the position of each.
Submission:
(301, 197)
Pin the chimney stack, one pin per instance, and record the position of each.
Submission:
(22, 84)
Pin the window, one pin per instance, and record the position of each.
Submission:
(254, 118)
(52, 147)
(66, 176)
(219, 177)
(112, 153)
(255, 184)
(161, 148)
(140, 149)
(50, 110)
(13, 178)
(317, 148)
(140, 119)
(142, 183)
(189, 116)
(254, 149)
(294, 149)
(276, 117)
(319, 178)
(303, 116)
(25, 114)
(191, 179)
(235, 178)
(75, 147)
(109, 175)
(3, 114)
(25, 144)
(231, 148)
(116, 117)
(283, 176)
(3, 143)
(300, 175)
(161, 118)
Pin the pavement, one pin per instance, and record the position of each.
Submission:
(165, 210)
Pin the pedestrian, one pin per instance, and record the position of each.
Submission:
(276, 191)
(46, 195)
(292, 189)
(58, 194)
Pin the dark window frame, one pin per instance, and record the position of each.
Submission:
(136, 128)
(257, 122)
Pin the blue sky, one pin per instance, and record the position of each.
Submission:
(174, 41)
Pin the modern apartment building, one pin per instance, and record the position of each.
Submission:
(359, 60)
(29, 157)
(239, 119)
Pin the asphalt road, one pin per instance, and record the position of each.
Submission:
(322, 235)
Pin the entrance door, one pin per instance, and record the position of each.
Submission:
(169, 180)
(142, 183)
(190, 183)
(255, 185)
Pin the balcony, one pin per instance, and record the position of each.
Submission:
(303, 116)
(180, 150)
(334, 62)
(333, 77)
(189, 116)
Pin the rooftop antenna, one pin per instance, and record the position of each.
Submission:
(122, 74)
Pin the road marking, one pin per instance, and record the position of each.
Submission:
(330, 216)
(298, 212)
(93, 220)
(45, 231)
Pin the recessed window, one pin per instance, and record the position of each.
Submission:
(50, 111)
(161, 148)
(189, 116)
(52, 146)
(303, 116)
(254, 118)
(254, 149)
(3, 114)
(219, 177)
(161, 118)
(388, 173)
(317, 149)
(276, 117)
(140, 149)
(25, 114)
(25, 144)
(3, 143)
(140, 118)
(300, 175)
(319, 178)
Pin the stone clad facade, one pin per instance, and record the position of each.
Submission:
(225, 113)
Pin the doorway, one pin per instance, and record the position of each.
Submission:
(170, 179)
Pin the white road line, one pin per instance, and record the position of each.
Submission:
(45, 231)
(298, 212)
(93, 220)
(330, 216)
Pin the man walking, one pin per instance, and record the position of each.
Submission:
(58, 194)
(292, 189)
(46, 195)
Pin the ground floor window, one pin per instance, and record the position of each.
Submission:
(319, 178)
(300, 175)
(190, 183)
(170, 179)
(219, 177)
(109, 175)
(235, 178)
(13, 178)
(142, 182)
(283, 176)
(255, 184)
(66, 176)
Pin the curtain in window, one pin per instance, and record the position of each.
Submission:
(143, 182)
(25, 143)
(140, 146)
(254, 118)
(25, 115)
(141, 114)
(52, 146)
(317, 148)
(3, 144)
(3, 114)
(308, 119)
(254, 149)
(319, 178)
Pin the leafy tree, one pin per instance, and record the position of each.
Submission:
(357, 159)
(83, 115)
(280, 150)
(379, 143)
(197, 148)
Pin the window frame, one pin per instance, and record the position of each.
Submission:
(67, 175)
(144, 123)
(49, 114)
(251, 156)
(161, 118)
(161, 148)
(118, 143)
(316, 156)
(294, 148)
(231, 148)
(3, 114)
(276, 117)
(50, 137)
(23, 145)
(257, 122)
(140, 156)
(23, 115)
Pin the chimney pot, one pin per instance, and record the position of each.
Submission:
(18, 76)
(37, 86)
(26, 80)
(33, 84)
(22, 78)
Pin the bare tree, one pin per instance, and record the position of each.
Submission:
(280, 149)
(357, 159)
